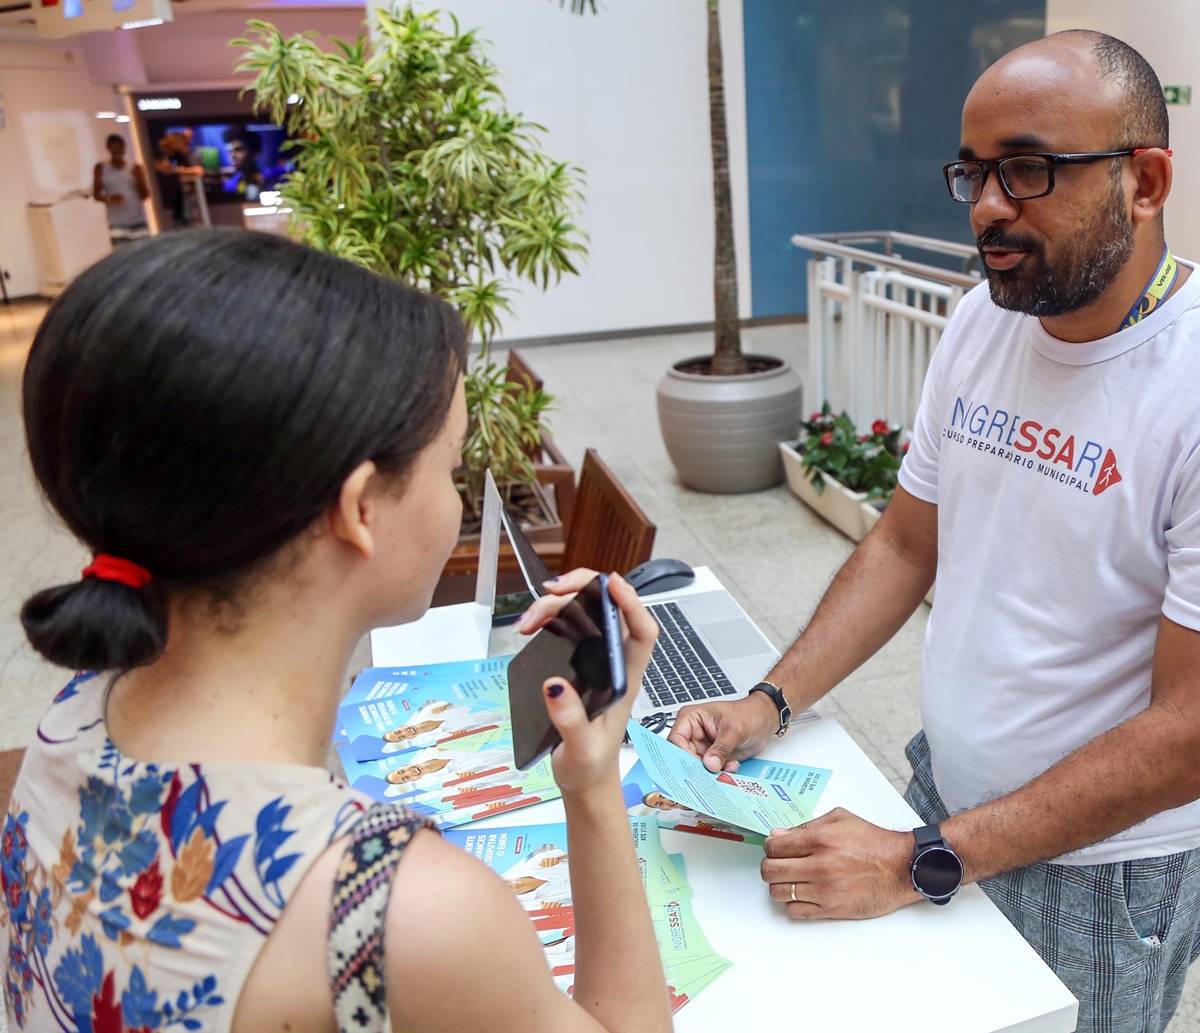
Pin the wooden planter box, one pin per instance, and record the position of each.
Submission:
(556, 489)
(836, 504)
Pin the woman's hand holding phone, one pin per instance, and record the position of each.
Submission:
(587, 757)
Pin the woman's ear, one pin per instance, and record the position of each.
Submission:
(353, 516)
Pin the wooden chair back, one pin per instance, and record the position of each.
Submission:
(608, 530)
(10, 764)
(520, 372)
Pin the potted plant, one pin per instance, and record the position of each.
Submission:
(722, 415)
(407, 161)
(844, 475)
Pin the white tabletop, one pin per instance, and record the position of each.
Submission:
(961, 968)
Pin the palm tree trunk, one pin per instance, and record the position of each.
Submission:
(727, 354)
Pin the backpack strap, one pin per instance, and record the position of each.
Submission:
(361, 890)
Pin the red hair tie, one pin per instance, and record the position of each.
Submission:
(113, 568)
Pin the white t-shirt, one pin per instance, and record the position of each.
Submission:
(1067, 480)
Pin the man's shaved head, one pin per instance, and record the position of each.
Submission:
(1143, 107)
(1126, 81)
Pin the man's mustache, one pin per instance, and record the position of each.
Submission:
(995, 237)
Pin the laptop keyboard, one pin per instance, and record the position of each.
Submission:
(681, 669)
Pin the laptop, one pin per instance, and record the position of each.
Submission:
(708, 648)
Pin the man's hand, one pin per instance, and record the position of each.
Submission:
(721, 734)
(839, 866)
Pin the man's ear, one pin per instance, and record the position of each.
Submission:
(1153, 172)
(353, 516)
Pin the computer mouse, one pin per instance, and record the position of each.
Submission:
(660, 575)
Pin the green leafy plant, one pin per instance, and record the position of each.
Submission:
(407, 162)
(505, 431)
(832, 446)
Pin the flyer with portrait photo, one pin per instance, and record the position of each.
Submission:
(535, 863)
(760, 796)
(401, 710)
(455, 782)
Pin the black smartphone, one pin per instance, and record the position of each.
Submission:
(583, 645)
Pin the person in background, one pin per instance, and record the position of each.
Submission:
(120, 185)
(175, 853)
(246, 179)
(1052, 488)
(179, 174)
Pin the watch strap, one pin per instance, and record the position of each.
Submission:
(777, 697)
(927, 836)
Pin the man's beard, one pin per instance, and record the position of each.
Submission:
(1083, 268)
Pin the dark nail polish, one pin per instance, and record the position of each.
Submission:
(555, 690)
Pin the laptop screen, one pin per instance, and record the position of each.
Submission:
(533, 567)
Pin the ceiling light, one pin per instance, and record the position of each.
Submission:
(106, 114)
(159, 104)
(144, 23)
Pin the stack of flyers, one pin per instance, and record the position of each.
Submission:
(439, 740)
(684, 795)
(533, 860)
(395, 710)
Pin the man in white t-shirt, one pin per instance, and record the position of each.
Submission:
(1053, 488)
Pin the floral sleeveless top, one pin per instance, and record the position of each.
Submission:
(137, 896)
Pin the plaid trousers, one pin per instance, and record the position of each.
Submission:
(1120, 936)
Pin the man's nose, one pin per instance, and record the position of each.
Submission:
(994, 205)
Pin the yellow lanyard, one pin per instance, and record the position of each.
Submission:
(1156, 290)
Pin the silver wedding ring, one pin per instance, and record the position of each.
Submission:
(793, 893)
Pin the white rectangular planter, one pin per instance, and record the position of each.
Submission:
(836, 503)
(848, 511)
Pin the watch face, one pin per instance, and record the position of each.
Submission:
(937, 872)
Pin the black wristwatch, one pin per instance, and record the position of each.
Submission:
(937, 871)
(780, 701)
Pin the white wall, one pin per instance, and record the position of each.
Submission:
(1164, 31)
(39, 77)
(624, 94)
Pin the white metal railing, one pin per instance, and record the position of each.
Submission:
(875, 318)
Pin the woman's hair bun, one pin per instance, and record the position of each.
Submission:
(97, 625)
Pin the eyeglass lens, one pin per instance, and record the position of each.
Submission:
(1023, 177)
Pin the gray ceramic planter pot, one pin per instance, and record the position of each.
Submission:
(723, 433)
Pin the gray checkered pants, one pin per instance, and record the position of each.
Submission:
(1121, 936)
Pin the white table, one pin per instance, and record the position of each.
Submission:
(958, 969)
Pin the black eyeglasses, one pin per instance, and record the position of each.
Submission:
(1022, 176)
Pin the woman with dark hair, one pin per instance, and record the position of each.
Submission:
(257, 443)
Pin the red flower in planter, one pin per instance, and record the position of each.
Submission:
(145, 894)
(814, 417)
(879, 427)
(827, 439)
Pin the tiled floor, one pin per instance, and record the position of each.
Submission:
(768, 548)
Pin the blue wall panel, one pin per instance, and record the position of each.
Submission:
(852, 108)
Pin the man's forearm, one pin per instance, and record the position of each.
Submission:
(874, 593)
(1141, 767)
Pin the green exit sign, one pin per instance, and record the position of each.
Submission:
(1178, 94)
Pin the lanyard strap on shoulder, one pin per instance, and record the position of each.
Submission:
(1156, 291)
